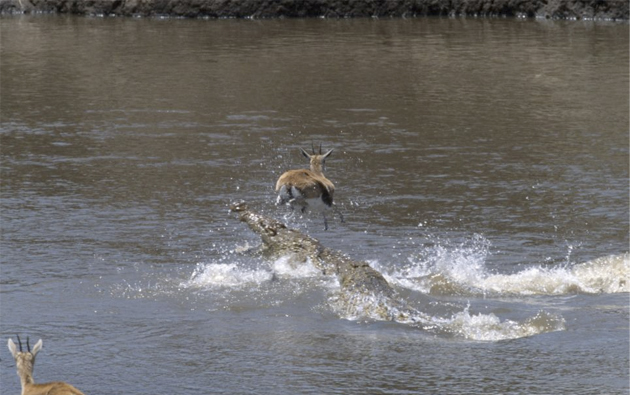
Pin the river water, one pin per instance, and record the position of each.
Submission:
(481, 166)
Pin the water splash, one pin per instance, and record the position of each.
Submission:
(461, 271)
(229, 275)
(288, 267)
(603, 275)
(477, 327)
(446, 270)
(236, 275)
(488, 327)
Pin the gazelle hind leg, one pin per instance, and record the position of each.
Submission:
(325, 221)
(338, 212)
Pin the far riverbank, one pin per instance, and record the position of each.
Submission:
(554, 9)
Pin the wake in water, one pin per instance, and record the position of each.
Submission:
(234, 275)
(445, 271)
(478, 327)
(356, 306)
(461, 271)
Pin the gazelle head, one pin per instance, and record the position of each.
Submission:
(24, 360)
(318, 160)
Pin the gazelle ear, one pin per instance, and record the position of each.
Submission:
(12, 348)
(37, 347)
(328, 153)
(305, 153)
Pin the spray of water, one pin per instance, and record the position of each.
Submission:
(461, 271)
(444, 270)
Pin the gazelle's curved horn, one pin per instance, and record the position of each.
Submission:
(28, 346)
(320, 148)
(19, 342)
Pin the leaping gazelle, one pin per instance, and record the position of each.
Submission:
(25, 361)
(308, 189)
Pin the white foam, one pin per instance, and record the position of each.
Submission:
(603, 275)
(488, 327)
(610, 274)
(290, 267)
(444, 269)
(225, 275)
(478, 327)
(461, 270)
(234, 275)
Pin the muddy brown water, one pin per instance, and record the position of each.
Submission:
(481, 165)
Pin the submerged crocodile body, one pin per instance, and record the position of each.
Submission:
(364, 291)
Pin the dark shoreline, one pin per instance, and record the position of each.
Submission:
(553, 9)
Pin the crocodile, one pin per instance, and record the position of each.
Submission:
(363, 290)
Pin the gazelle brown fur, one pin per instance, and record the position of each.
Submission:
(25, 361)
(305, 188)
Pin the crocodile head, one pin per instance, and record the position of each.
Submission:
(278, 240)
